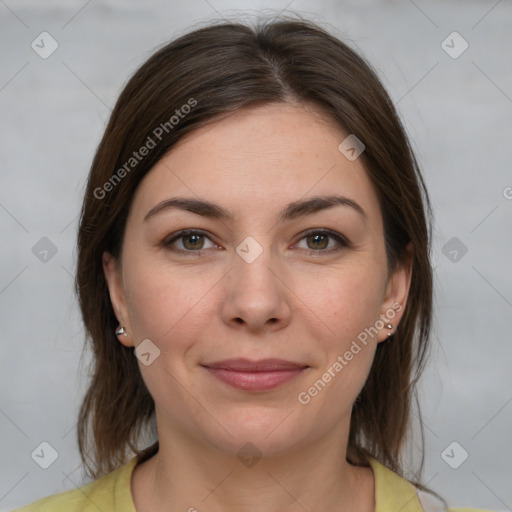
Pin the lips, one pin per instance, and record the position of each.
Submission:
(260, 375)
(264, 365)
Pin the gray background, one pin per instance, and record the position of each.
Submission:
(458, 112)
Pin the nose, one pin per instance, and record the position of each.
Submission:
(256, 296)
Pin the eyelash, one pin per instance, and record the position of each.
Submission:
(342, 241)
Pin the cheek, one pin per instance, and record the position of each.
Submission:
(346, 301)
(166, 305)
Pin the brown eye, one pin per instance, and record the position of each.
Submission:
(319, 242)
(187, 241)
(193, 241)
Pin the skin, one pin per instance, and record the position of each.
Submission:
(286, 304)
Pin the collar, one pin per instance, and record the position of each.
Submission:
(392, 492)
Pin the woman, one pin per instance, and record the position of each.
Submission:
(254, 276)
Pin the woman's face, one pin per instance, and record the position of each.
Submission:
(306, 285)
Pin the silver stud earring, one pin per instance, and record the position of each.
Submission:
(389, 326)
(120, 331)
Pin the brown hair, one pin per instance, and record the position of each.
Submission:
(220, 69)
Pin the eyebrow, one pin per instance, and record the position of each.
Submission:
(292, 211)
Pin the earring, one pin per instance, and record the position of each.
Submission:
(389, 326)
(120, 331)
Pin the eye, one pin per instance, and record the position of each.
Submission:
(191, 241)
(318, 242)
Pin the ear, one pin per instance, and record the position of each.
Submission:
(395, 297)
(112, 271)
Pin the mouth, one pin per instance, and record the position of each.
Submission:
(255, 375)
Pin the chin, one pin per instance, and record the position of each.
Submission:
(270, 432)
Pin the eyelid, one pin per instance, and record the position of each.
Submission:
(173, 237)
(342, 241)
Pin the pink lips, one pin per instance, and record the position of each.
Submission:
(255, 375)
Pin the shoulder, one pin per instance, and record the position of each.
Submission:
(393, 492)
(110, 493)
(467, 509)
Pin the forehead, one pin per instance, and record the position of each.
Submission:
(263, 157)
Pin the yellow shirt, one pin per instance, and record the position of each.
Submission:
(112, 493)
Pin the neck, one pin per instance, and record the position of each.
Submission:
(187, 475)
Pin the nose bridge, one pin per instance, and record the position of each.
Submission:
(253, 262)
(250, 250)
